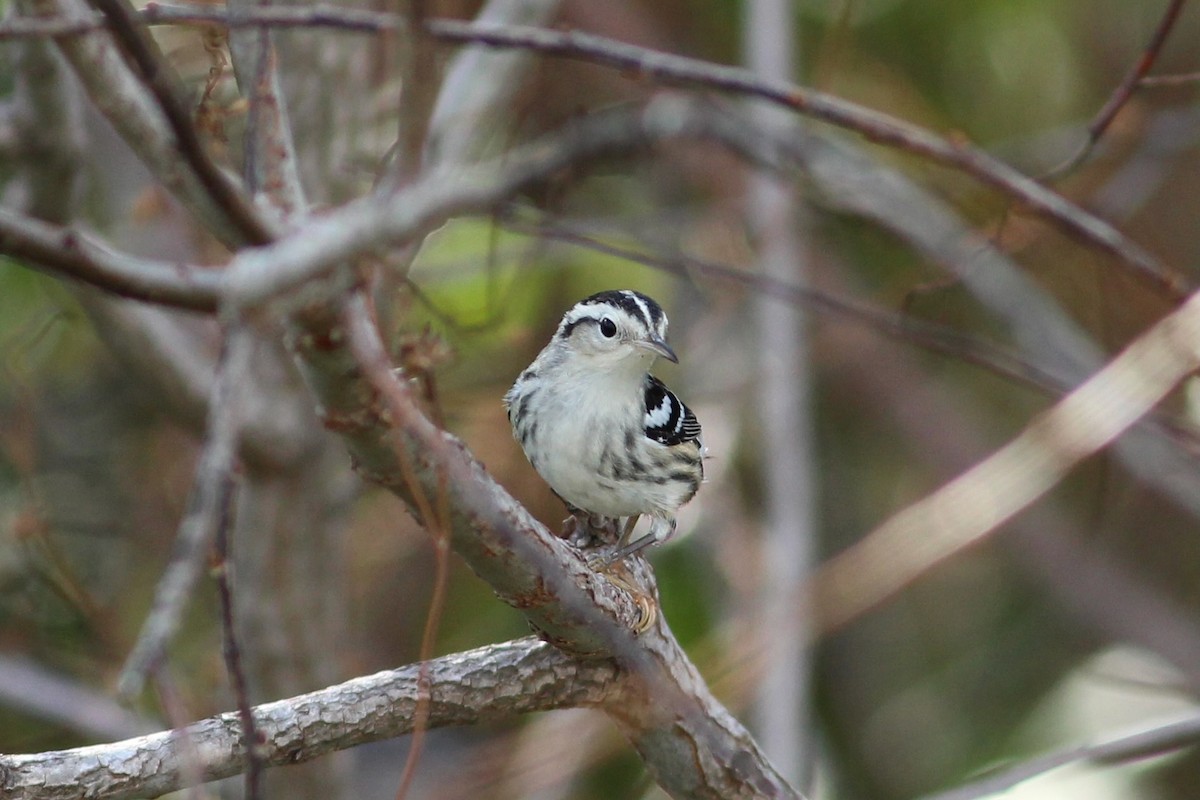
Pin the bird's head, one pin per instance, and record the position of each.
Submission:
(619, 330)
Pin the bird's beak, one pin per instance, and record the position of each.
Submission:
(658, 346)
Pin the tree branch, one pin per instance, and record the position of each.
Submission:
(489, 683)
(1157, 740)
(204, 515)
(479, 85)
(270, 161)
(137, 115)
(257, 276)
(1125, 89)
(875, 126)
(64, 252)
(691, 744)
(142, 51)
(968, 508)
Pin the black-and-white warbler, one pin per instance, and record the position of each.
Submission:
(609, 437)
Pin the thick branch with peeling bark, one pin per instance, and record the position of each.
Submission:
(535, 677)
(691, 744)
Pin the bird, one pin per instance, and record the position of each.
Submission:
(609, 438)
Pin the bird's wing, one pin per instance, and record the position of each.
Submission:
(667, 419)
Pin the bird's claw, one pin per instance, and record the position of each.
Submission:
(647, 609)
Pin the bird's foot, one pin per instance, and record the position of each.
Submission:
(661, 529)
(583, 529)
(620, 575)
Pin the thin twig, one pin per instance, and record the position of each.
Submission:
(1163, 738)
(419, 83)
(231, 648)
(199, 524)
(270, 166)
(931, 336)
(439, 527)
(156, 72)
(316, 16)
(1120, 95)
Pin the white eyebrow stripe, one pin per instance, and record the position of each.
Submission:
(647, 320)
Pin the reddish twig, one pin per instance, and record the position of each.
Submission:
(231, 650)
(1120, 95)
(439, 527)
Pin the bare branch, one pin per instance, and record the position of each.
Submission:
(783, 388)
(970, 507)
(48, 129)
(1125, 89)
(200, 521)
(136, 114)
(257, 276)
(691, 744)
(534, 677)
(479, 84)
(159, 77)
(65, 252)
(35, 690)
(271, 166)
(1164, 81)
(419, 79)
(1163, 738)
(875, 126)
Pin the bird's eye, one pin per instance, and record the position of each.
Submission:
(608, 328)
